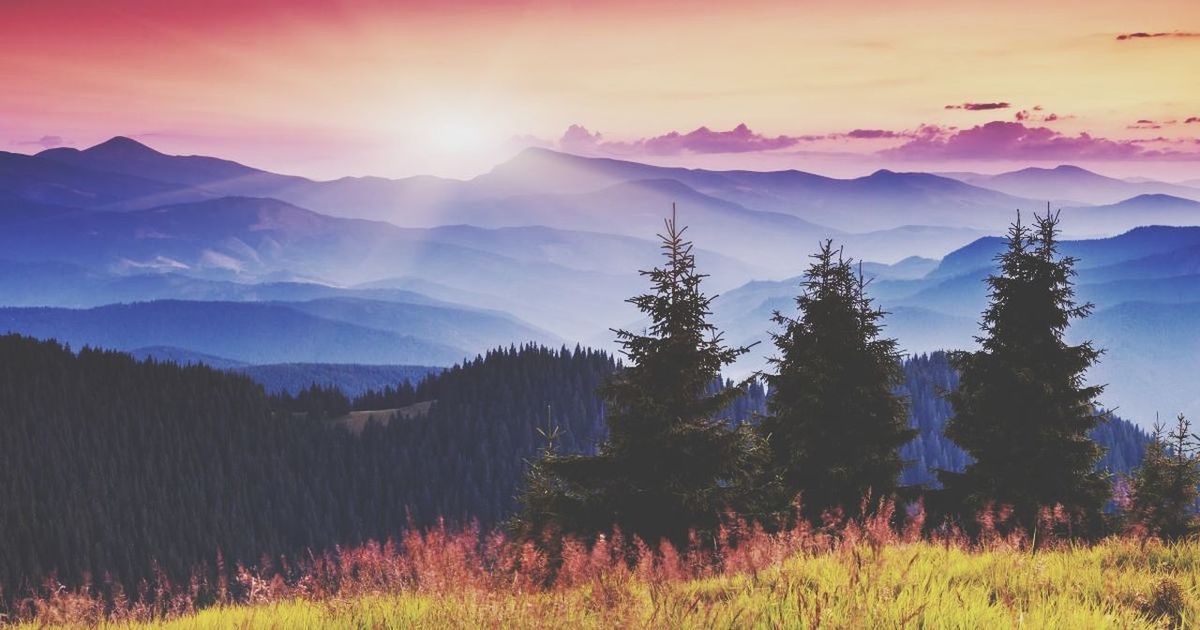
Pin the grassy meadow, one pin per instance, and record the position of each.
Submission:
(1117, 583)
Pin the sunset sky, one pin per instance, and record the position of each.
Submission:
(330, 88)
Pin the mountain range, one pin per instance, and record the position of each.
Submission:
(332, 330)
(196, 256)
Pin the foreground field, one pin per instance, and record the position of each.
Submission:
(1116, 584)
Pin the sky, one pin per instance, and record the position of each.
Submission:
(334, 88)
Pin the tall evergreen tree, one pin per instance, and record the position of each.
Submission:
(669, 464)
(835, 423)
(1021, 409)
(1165, 487)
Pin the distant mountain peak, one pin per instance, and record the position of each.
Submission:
(120, 146)
(1062, 170)
(1159, 198)
(543, 153)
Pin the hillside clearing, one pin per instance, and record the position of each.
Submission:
(356, 421)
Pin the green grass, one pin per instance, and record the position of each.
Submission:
(1115, 584)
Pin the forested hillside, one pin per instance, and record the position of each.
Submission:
(119, 467)
(114, 467)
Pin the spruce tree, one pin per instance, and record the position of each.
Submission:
(1022, 410)
(1165, 486)
(834, 424)
(669, 464)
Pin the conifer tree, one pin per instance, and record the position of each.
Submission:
(1165, 486)
(1022, 410)
(669, 465)
(834, 424)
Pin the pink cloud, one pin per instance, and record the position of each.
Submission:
(46, 142)
(1143, 35)
(976, 107)
(1193, 119)
(876, 133)
(999, 140)
(1012, 140)
(1034, 116)
(740, 139)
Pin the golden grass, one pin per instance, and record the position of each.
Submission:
(1118, 583)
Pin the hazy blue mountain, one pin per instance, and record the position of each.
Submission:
(50, 283)
(1150, 358)
(909, 268)
(1131, 245)
(239, 331)
(352, 379)
(1179, 261)
(129, 157)
(473, 330)
(358, 197)
(1166, 290)
(181, 356)
(1150, 263)
(898, 243)
(882, 200)
(249, 239)
(15, 210)
(1148, 209)
(764, 239)
(582, 250)
(887, 199)
(38, 180)
(1068, 183)
(637, 209)
(427, 334)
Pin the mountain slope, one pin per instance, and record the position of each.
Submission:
(1147, 209)
(129, 157)
(1068, 183)
(255, 240)
(879, 201)
(245, 332)
(37, 180)
(475, 331)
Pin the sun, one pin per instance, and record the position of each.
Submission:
(457, 133)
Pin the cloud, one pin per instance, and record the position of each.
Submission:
(1193, 119)
(1034, 116)
(876, 133)
(1013, 141)
(46, 142)
(740, 139)
(1026, 139)
(1142, 35)
(978, 107)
